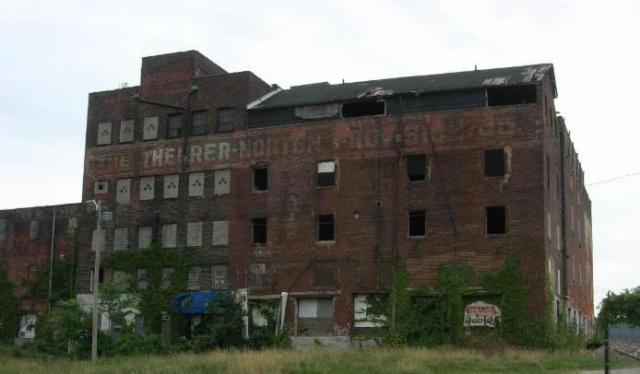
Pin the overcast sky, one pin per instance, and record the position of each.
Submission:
(53, 53)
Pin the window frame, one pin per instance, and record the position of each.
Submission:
(335, 174)
(333, 228)
(486, 219)
(254, 169)
(221, 110)
(488, 171)
(424, 167)
(169, 134)
(253, 231)
(424, 222)
(205, 115)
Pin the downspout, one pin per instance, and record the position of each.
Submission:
(51, 250)
(561, 137)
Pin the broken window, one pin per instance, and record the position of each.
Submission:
(315, 317)
(101, 186)
(27, 326)
(496, 220)
(199, 123)
(259, 231)
(416, 167)
(174, 126)
(167, 274)
(219, 276)
(363, 108)
(224, 120)
(511, 95)
(368, 310)
(326, 173)
(417, 223)
(142, 280)
(325, 227)
(193, 279)
(258, 275)
(260, 178)
(494, 163)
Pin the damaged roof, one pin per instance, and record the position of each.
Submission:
(319, 93)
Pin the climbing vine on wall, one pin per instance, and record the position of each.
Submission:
(9, 307)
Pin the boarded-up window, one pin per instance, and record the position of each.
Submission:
(417, 223)
(494, 163)
(121, 239)
(193, 279)
(141, 279)
(219, 276)
(145, 234)
(257, 275)
(196, 184)
(3, 228)
(147, 186)
(104, 133)
(259, 231)
(126, 131)
(194, 234)
(98, 240)
(416, 167)
(72, 225)
(101, 186)
(315, 308)
(222, 182)
(150, 128)
(34, 230)
(325, 227)
(224, 120)
(326, 173)
(367, 310)
(169, 234)
(123, 191)
(166, 277)
(496, 220)
(171, 186)
(174, 125)
(198, 123)
(220, 232)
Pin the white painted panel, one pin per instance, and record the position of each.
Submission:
(121, 239)
(126, 131)
(169, 233)
(123, 191)
(147, 186)
(27, 326)
(145, 233)
(220, 232)
(171, 183)
(326, 167)
(307, 308)
(258, 318)
(98, 240)
(101, 187)
(150, 128)
(222, 182)
(104, 133)
(196, 184)
(194, 234)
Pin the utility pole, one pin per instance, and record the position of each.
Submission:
(96, 277)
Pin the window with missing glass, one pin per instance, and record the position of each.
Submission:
(494, 163)
(259, 231)
(224, 120)
(174, 125)
(416, 167)
(326, 176)
(199, 123)
(260, 178)
(325, 227)
(496, 220)
(417, 223)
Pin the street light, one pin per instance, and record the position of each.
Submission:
(95, 206)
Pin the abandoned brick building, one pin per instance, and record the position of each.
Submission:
(320, 190)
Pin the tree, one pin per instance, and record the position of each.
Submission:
(619, 308)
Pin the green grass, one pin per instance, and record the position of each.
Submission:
(369, 361)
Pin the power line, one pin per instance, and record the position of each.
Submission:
(614, 178)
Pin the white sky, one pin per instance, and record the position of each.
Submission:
(53, 53)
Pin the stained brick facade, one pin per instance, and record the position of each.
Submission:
(159, 181)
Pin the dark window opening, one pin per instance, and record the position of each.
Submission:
(416, 167)
(199, 123)
(496, 220)
(260, 178)
(326, 173)
(363, 108)
(174, 126)
(417, 223)
(511, 95)
(494, 165)
(325, 227)
(225, 120)
(259, 228)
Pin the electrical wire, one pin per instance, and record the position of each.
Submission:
(614, 178)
